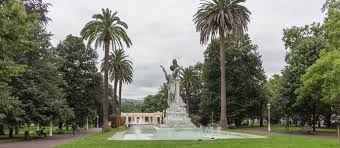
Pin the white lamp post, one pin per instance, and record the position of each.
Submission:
(50, 128)
(87, 123)
(97, 121)
(268, 106)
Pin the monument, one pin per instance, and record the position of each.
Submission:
(176, 115)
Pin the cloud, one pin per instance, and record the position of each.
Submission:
(163, 29)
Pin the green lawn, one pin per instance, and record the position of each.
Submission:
(100, 140)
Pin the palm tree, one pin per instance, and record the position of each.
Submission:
(226, 18)
(106, 28)
(190, 83)
(120, 70)
(127, 78)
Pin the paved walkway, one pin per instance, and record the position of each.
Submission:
(48, 142)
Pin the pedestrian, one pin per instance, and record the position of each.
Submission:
(74, 129)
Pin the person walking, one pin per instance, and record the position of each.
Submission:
(74, 129)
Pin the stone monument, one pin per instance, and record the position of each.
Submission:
(176, 115)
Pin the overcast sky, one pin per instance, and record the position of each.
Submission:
(163, 29)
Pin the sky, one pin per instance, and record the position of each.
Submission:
(162, 30)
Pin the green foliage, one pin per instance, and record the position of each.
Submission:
(190, 87)
(228, 17)
(304, 45)
(16, 27)
(153, 103)
(322, 79)
(129, 107)
(273, 89)
(120, 70)
(106, 28)
(77, 65)
(332, 24)
(244, 76)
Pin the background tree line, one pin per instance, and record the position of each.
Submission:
(308, 89)
(40, 83)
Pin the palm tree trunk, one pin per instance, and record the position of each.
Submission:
(223, 118)
(114, 109)
(120, 96)
(106, 84)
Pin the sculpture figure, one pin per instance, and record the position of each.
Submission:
(176, 114)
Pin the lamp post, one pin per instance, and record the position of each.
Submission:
(87, 123)
(97, 121)
(268, 106)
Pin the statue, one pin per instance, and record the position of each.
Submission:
(176, 114)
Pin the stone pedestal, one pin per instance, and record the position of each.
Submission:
(177, 120)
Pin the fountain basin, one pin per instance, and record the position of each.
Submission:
(179, 134)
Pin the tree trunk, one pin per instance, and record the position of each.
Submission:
(106, 84)
(16, 131)
(223, 118)
(188, 101)
(261, 114)
(328, 120)
(61, 126)
(120, 96)
(314, 117)
(115, 100)
(2, 132)
(10, 134)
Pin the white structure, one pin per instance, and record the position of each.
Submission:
(143, 118)
(176, 115)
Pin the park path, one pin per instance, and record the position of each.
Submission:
(48, 142)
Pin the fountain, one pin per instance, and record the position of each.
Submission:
(176, 114)
(177, 124)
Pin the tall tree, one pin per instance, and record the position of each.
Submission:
(120, 70)
(245, 78)
(332, 24)
(304, 45)
(78, 68)
(16, 24)
(226, 18)
(322, 79)
(107, 29)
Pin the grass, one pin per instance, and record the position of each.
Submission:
(99, 140)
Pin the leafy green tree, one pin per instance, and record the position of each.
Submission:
(130, 107)
(78, 68)
(107, 29)
(322, 79)
(15, 39)
(304, 45)
(226, 18)
(152, 103)
(332, 24)
(273, 94)
(190, 85)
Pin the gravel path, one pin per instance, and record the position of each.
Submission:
(48, 142)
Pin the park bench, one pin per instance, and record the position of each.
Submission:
(306, 130)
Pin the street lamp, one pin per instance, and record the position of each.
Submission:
(268, 106)
(97, 121)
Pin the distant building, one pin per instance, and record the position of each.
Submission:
(143, 118)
